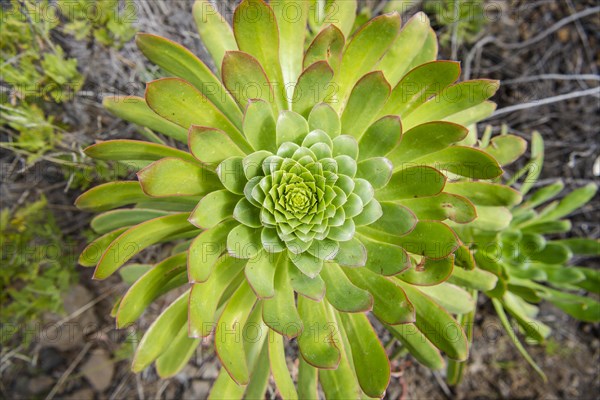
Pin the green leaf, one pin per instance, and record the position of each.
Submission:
(215, 32)
(307, 263)
(485, 193)
(451, 101)
(369, 357)
(256, 33)
(110, 195)
(177, 355)
(325, 118)
(410, 42)
(212, 146)
(384, 258)
(259, 379)
(316, 346)
(513, 337)
(368, 97)
(534, 166)
(247, 214)
(312, 288)
(452, 298)
(244, 242)
(491, 218)
(226, 388)
(391, 305)
(352, 253)
(178, 101)
(179, 61)
(464, 161)
(532, 328)
(205, 297)
(412, 182)
(506, 149)
(246, 79)
(116, 219)
(591, 283)
(381, 137)
(127, 150)
(132, 272)
(581, 246)
(279, 369)
(327, 46)
(279, 312)
(553, 253)
(163, 277)
(260, 274)
(396, 220)
(428, 272)
(442, 206)
(425, 139)
(312, 87)
(228, 345)
(135, 110)
(161, 333)
(430, 239)
(292, 17)
(544, 194)
(214, 208)
(206, 249)
(175, 177)
(143, 235)
(419, 346)
(431, 318)
(583, 308)
(259, 125)
(307, 381)
(339, 383)
(363, 51)
(419, 85)
(376, 171)
(571, 202)
(477, 279)
(291, 127)
(342, 294)
(231, 174)
(91, 255)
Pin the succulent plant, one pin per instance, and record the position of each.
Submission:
(311, 191)
(518, 245)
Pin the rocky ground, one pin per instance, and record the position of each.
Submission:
(534, 47)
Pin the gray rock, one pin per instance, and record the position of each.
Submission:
(99, 370)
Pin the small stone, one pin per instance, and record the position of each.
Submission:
(99, 370)
(564, 35)
(200, 389)
(49, 359)
(40, 384)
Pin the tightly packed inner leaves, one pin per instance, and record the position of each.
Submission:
(303, 189)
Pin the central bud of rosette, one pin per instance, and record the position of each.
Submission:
(306, 197)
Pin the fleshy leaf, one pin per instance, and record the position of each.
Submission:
(312, 88)
(214, 30)
(228, 346)
(391, 304)
(179, 61)
(412, 182)
(174, 177)
(206, 249)
(214, 208)
(316, 346)
(428, 272)
(368, 97)
(342, 294)
(381, 138)
(143, 235)
(134, 109)
(259, 125)
(205, 297)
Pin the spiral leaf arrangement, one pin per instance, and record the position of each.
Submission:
(308, 190)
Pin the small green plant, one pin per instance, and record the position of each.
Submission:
(37, 71)
(514, 242)
(104, 20)
(311, 191)
(37, 267)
